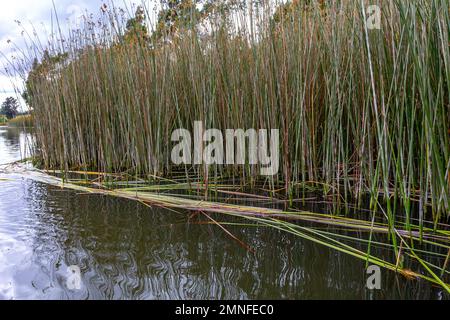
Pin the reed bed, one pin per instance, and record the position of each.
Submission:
(428, 253)
(360, 112)
(3, 120)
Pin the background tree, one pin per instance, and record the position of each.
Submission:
(9, 107)
(177, 15)
(136, 29)
(48, 67)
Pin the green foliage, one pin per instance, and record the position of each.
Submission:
(9, 108)
(175, 16)
(360, 112)
(42, 70)
(23, 121)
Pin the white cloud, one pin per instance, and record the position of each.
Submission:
(74, 12)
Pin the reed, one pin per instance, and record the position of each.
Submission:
(359, 111)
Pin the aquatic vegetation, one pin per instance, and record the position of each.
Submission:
(3, 120)
(361, 112)
(340, 232)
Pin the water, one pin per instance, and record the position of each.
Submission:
(127, 251)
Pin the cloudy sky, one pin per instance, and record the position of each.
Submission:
(37, 14)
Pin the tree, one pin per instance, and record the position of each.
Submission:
(288, 12)
(176, 15)
(136, 30)
(9, 108)
(219, 12)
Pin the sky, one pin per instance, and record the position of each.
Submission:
(37, 15)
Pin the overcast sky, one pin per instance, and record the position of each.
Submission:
(38, 14)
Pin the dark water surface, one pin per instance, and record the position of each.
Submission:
(127, 251)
